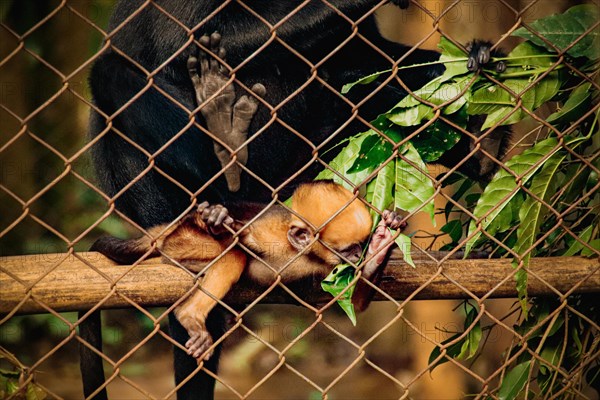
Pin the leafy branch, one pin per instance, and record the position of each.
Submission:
(544, 201)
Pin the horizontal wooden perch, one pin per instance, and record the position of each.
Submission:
(66, 283)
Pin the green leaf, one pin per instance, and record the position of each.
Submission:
(578, 185)
(411, 116)
(528, 56)
(417, 97)
(438, 138)
(12, 387)
(383, 186)
(464, 348)
(514, 381)
(531, 215)
(542, 90)
(592, 180)
(506, 219)
(454, 59)
(577, 246)
(558, 323)
(576, 105)
(453, 229)
(521, 286)
(404, 244)
(34, 392)
(336, 282)
(382, 122)
(364, 80)
(551, 354)
(531, 325)
(457, 195)
(369, 194)
(452, 351)
(471, 342)
(451, 92)
(595, 245)
(450, 50)
(544, 379)
(394, 133)
(503, 186)
(490, 99)
(498, 103)
(411, 110)
(577, 341)
(345, 159)
(564, 29)
(373, 151)
(414, 189)
(326, 174)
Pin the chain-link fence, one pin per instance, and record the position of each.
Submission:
(492, 150)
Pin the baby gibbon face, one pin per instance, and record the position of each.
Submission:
(316, 203)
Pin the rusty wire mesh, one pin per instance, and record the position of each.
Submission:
(298, 352)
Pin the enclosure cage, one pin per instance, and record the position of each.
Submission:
(490, 290)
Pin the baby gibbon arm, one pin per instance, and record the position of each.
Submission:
(379, 247)
(196, 241)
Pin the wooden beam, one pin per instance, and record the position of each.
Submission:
(69, 282)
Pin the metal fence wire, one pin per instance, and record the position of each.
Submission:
(54, 209)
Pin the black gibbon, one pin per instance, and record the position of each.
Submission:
(303, 62)
(285, 242)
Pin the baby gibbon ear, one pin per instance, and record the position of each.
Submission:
(299, 236)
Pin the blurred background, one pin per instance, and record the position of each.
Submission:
(48, 202)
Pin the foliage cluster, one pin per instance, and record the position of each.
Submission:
(541, 202)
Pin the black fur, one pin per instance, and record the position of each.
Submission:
(121, 250)
(151, 38)
(90, 363)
